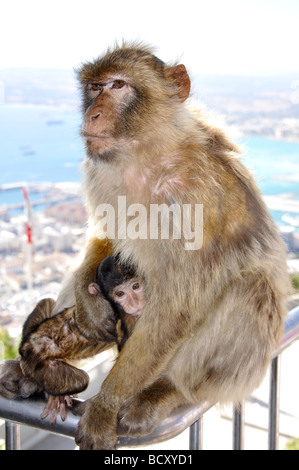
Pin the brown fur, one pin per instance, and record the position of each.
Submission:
(213, 316)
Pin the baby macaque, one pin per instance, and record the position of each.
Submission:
(47, 341)
(118, 283)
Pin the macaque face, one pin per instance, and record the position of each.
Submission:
(123, 94)
(130, 296)
(107, 99)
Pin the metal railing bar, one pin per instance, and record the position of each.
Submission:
(196, 435)
(27, 411)
(238, 427)
(274, 401)
(12, 436)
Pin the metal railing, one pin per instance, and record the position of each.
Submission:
(28, 411)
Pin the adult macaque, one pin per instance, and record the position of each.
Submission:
(213, 315)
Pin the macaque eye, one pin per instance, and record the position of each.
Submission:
(95, 86)
(119, 293)
(135, 286)
(118, 84)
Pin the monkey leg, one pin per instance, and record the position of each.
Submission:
(141, 413)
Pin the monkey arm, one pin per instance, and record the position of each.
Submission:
(131, 375)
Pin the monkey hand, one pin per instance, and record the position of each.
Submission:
(13, 383)
(97, 427)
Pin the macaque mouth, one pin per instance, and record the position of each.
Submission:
(94, 137)
(99, 146)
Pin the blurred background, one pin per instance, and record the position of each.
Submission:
(242, 57)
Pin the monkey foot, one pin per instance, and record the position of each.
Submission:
(55, 404)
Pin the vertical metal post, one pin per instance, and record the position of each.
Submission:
(12, 436)
(238, 427)
(274, 399)
(195, 435)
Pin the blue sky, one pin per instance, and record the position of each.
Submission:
(231, 36)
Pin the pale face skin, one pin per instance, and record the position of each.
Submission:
(129, 295)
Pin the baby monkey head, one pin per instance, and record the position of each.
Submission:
(119, 284)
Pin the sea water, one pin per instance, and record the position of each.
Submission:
(40, 144)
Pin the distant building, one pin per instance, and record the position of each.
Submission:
(9, 242)
(59, 240)
(4, 214)
(70, 213)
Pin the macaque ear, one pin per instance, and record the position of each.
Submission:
(180, 76)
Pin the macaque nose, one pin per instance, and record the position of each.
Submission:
(132, 300)
(95, 117)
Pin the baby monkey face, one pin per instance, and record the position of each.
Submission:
(130, 296)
